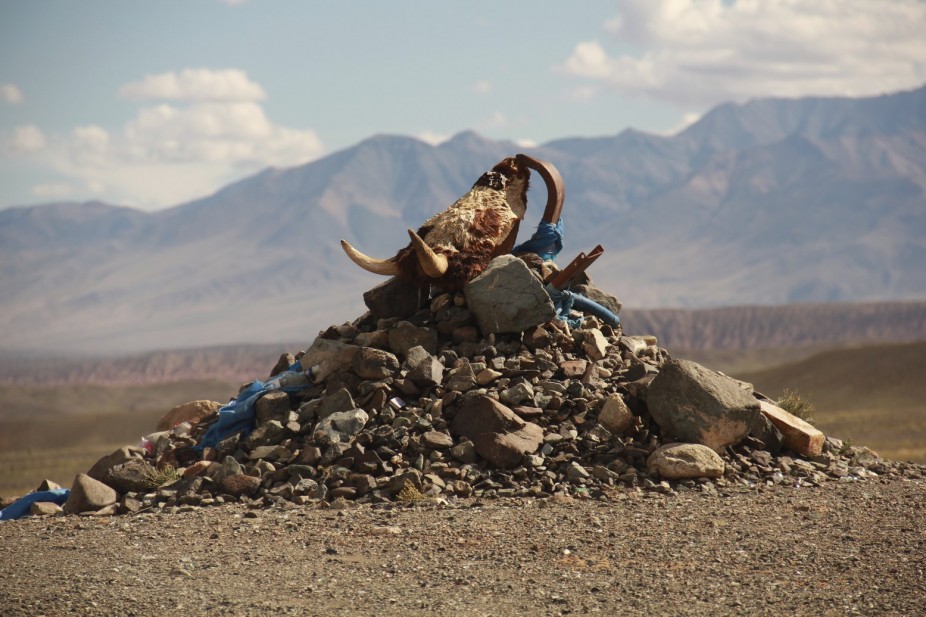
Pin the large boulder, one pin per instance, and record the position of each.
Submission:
(507, 297)
(89, 495)
(499, 435)
(697, 405)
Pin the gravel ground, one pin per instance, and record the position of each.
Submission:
(842, 548)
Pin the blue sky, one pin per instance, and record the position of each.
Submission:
(152, 104)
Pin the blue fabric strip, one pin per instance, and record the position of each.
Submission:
(20, 507)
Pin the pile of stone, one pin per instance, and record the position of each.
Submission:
(482, 393)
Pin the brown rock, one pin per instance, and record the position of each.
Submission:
(101, 469)
(574, 369)
(273, 405)
(193, 412)
(240, 484)
(88, 495)
(799, 436)
(375, 364)
(508, 449)
(44, 508)
(485, 415)
(437, 439)
(615, 415)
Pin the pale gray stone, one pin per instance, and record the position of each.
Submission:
(507, 297)
(678, 461)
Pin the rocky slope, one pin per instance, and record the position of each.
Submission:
(770, 202)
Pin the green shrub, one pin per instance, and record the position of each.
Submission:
(796, 405)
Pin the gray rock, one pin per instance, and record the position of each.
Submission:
(100, 470)
(507, 297)
(286, 360)
(375, 364)
(463, 379)
(697, 405)
(436, 439)
(395, 298)
(403, 336)
(341, 426)
(465, 452)
(267, 434)
(678, 461)
(338, 401)
(272, 406)
(518, 394)
(132, 476)
(576, 472)
(88, 495)
(615, 415)
(425, 371)
(325, 357)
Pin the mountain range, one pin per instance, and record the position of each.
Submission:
(773, 201)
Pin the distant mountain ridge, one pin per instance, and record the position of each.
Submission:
(768, 202)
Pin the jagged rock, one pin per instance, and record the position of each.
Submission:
(272, 406)
(594, 344)
(340, 426)
(697, 405)
(426, 370)
(88, 495)
(462, 379)
(193, 412)
(325, 357)
(484, 415)
(678, 461)
(799, 436)
(374, 364)
(590, 291)
(286, 360)
(395, 298)
(508, 298)
(48, 485)
(508, 449)
(101, 469)
(404, 336)
(768, 434)
(336, 402)
(267, 434)
(131, 476)
(615, 415)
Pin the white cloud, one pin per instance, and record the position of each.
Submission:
(167, 153)
(195, 85)
(482, 87)
(27, 139)
(11, 94)
(696, 53)
(430, 137)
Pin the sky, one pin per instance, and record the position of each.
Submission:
(152, 104)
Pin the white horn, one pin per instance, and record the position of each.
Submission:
(386, 267)
(434, 265)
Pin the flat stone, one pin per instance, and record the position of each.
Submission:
(517, 394)
(44, 508)
(799, 435)
(573, 369)
(436, 439)
(697, 405)
(193, 412)
(507, 297)
(615, 415)
(679, 461)
(88, 495)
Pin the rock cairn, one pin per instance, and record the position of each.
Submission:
(477, 394)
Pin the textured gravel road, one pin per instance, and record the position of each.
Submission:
(843, 548)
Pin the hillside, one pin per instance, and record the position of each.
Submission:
(769, 202)
(873, 395)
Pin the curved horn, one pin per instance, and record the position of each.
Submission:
(434, 265)
(556, 192)
(386, 267)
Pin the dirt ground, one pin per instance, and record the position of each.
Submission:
(842, 548)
